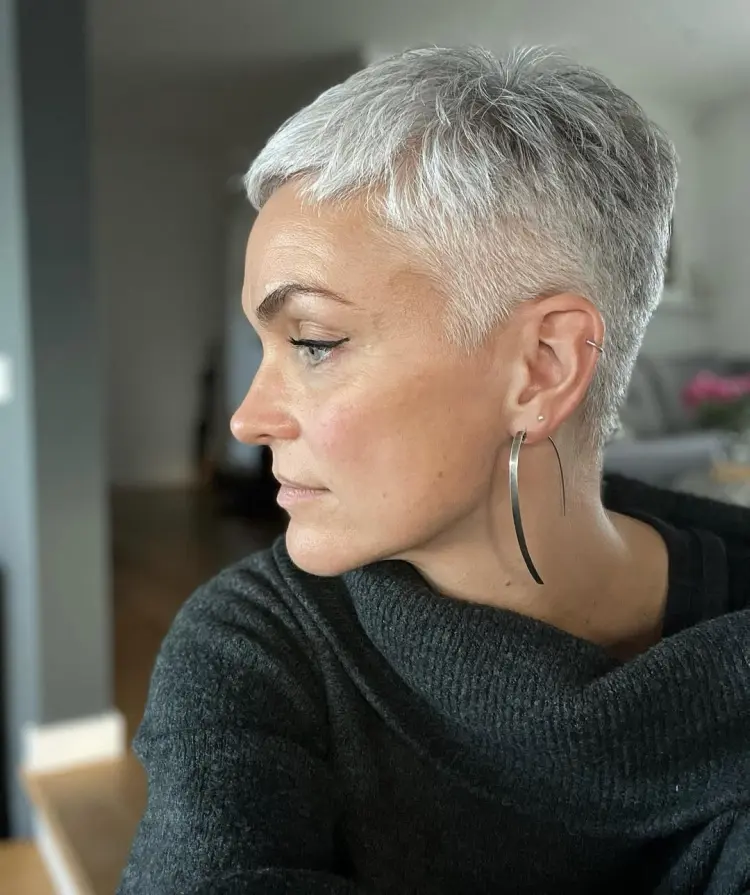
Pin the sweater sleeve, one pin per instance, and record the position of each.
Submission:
(233, 741)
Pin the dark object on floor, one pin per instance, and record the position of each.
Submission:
(248, 494)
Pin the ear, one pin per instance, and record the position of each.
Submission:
(557, 363)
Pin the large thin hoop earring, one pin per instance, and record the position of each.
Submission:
(515, 502)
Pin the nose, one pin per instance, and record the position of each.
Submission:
(263, 418)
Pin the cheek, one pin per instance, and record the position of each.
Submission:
(372, 444)
(355, 438)
(343, 436)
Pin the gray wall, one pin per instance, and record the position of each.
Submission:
(18, 544)
(157, 243)
(53, 513)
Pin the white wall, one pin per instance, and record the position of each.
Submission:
(683, 324)
(159, 271)
(725, 155)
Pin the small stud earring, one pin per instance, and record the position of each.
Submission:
(541, 417)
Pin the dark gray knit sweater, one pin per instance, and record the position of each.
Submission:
(364, 734)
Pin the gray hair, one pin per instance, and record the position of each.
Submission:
(513, 178)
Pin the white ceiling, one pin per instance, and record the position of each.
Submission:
(682, 49)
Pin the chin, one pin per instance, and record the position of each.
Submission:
(327, 553)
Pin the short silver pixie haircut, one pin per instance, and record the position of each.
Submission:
(512, 178)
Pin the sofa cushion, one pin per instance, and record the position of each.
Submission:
(659, 461)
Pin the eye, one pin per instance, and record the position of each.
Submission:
(313, 351)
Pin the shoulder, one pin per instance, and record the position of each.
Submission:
(716, 525)
(266, 584)
(258, 588)
(248, 603)
(240, 651)
(738, 561)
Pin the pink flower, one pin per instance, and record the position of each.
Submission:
(708, 387)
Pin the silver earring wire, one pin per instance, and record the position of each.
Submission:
(515, 502)
(594, 345)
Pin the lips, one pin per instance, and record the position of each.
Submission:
(294, 494)
(296, 486)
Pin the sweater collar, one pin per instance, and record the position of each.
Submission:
(467, 658)
(458, 654)
(520, 691)
(531, 707)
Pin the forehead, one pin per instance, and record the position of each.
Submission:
(335, 242)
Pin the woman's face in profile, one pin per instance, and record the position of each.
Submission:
(360, 395)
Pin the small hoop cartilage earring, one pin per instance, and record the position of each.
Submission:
(515, 502)
(594, 345)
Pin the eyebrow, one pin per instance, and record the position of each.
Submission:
(275, 300)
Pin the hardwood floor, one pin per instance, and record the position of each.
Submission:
(22, 870)
(93, 813)
(165, 544)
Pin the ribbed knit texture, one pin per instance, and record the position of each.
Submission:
(364, 734)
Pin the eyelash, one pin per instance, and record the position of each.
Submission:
(303, 345)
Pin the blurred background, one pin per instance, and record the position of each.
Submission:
(125, 128)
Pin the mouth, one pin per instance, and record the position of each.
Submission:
(291, 493)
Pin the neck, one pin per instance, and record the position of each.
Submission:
(605, 575)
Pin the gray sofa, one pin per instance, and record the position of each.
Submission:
(660, 441)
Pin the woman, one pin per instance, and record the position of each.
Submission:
(460, 672)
